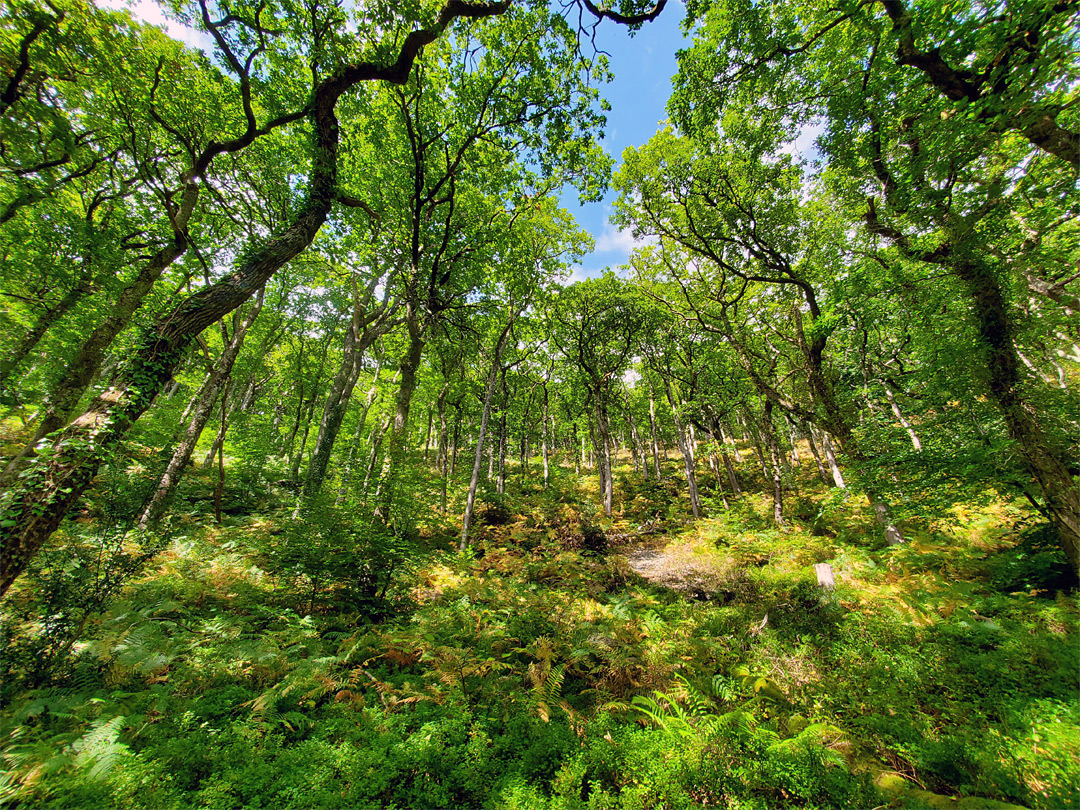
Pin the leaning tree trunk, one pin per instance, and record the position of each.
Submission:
(82, 288)
(1044, 461)
(205, 398)
(62, 400)
(822, 472)
(52, 483)
(830, 455)
(364, 331)
(904, 423)
(478, 461)
(684, 447)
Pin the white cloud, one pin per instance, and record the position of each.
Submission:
(149, 12)
(803, 146)
(579, 273)
(619, 241)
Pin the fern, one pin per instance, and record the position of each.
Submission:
(98, 749)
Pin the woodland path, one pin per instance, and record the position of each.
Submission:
(672, 566)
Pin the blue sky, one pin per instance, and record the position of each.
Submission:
(643, 66)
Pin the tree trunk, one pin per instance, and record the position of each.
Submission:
(219, 437)
(769, 433)
(441, 461)
(489, 392)
(684, 447)
(1044, 462)
(544, 430)
(904, 423)
(82, 288)
(219, 490)
(732, 479)
(822, 473)
(427, 433)
(377, 436)
(454, 444)
(652, 429)
(734, 447)
(309, 413)
(204, 399)
(350, 462)
(500, 480)
(830, 455)
(363, 332)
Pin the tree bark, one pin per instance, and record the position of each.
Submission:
(822, 473)
(204, 399)
(652, 429)
(684, 447)
(350, 463)
(830, 455)
(1044, 461)
(769, 434)
(904, 423)
(364, 330)
(408, 367)
(489, 393)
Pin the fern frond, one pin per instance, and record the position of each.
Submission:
(98, 749)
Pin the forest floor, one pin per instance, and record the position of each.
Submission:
(567, 660)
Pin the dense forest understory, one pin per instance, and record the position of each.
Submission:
(273, 661)
(331, 477)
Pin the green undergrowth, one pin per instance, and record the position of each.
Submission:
(318, 661)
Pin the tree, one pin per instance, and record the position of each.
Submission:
(970, 127)
(50, 486)
(596, 325)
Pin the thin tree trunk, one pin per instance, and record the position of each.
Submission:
(454, 445)
(427, 434)
(769, 434)
(309, 415)
(544, 429)
(830, 455)
(229, 394)
(684, 447)
(219, 490)
(652, 429)
(500, 481)
(734, 447)
(376, 445)
(350, 463)
(822, 473)
(732, 479)
(394, 460)
(363, 332)
(489, 392)
(904, 423)
(204, 399)
(714, 462)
